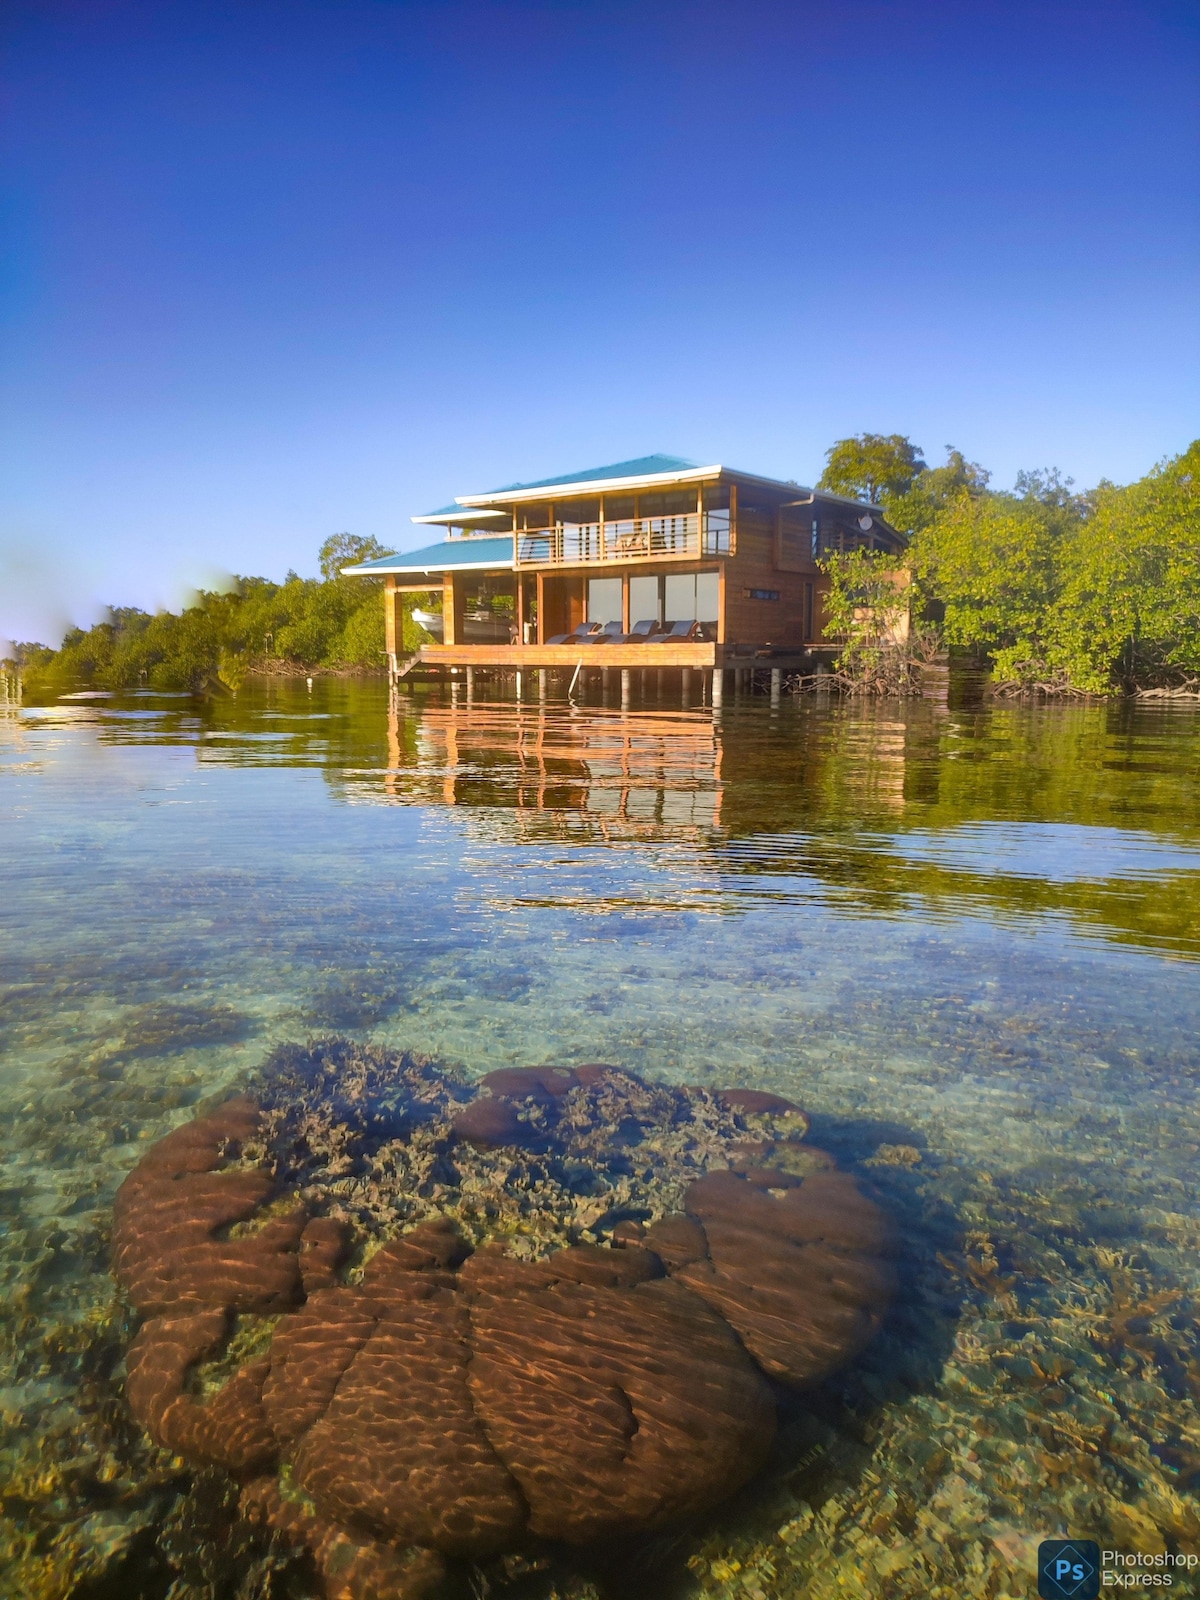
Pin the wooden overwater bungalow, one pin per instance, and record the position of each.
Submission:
(643, 565)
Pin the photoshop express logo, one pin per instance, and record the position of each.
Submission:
(1068, 1569)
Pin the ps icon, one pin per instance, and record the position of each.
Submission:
(1068, 1569)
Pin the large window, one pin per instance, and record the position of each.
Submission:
(604, 600)
(693, 595)
(645, 600)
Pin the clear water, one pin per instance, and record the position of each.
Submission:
(965, 937)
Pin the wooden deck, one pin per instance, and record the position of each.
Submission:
(518, 656)
(521, 657)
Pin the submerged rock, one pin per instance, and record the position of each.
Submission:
(425, 1321)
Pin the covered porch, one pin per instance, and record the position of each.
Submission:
(515, 608)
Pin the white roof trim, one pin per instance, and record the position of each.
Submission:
(589, 486)
(568, 491)
(450, 566)
(457, 519)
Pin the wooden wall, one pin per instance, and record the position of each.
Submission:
(755, 566)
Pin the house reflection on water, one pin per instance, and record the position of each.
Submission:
(594, 773)
(569, 771)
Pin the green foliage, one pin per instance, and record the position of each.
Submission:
(29, 656)
(935, 490)
(991, 564)
(867, 611)
(1130, 607)
(362, 640)
(347, 550)
(213, 644)
(1067, 592)
(871, 466)
(867, 604)
(1061, 591)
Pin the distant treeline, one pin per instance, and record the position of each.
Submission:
(1059, 592)
(327, 622)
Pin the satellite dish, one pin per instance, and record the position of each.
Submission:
(866, 524)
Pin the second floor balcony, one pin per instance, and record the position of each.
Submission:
(687, 536)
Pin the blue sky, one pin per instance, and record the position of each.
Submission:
(276, 270)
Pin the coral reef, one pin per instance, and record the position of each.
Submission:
(428, 1323)
(170, 1211)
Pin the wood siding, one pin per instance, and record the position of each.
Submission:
(747, 620)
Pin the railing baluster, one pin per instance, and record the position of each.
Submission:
(686, 534)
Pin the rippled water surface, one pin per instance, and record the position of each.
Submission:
(966, 938)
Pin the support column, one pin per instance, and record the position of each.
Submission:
(452, 610)
(392, 625)
(470, 682)
(685, 678)
(776, 685)
(604, 675)
(659, 675)
(542, 679)
(718, 688)
(519, 683)
(626, 688)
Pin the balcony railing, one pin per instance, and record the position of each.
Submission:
(571, 544)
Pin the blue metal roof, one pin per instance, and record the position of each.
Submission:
(496, 552)
(643, 467)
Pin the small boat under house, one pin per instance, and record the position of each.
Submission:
(648, 564)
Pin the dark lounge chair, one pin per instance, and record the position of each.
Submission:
(639, 633)
(678, 633)
(577, 635)
(610, 633)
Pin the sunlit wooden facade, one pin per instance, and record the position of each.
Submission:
(643, 548)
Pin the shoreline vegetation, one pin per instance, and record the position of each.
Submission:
(302, 626)
(1057, 593)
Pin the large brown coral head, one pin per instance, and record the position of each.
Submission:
(454, 1389)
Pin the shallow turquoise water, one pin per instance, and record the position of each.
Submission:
(968, 934)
